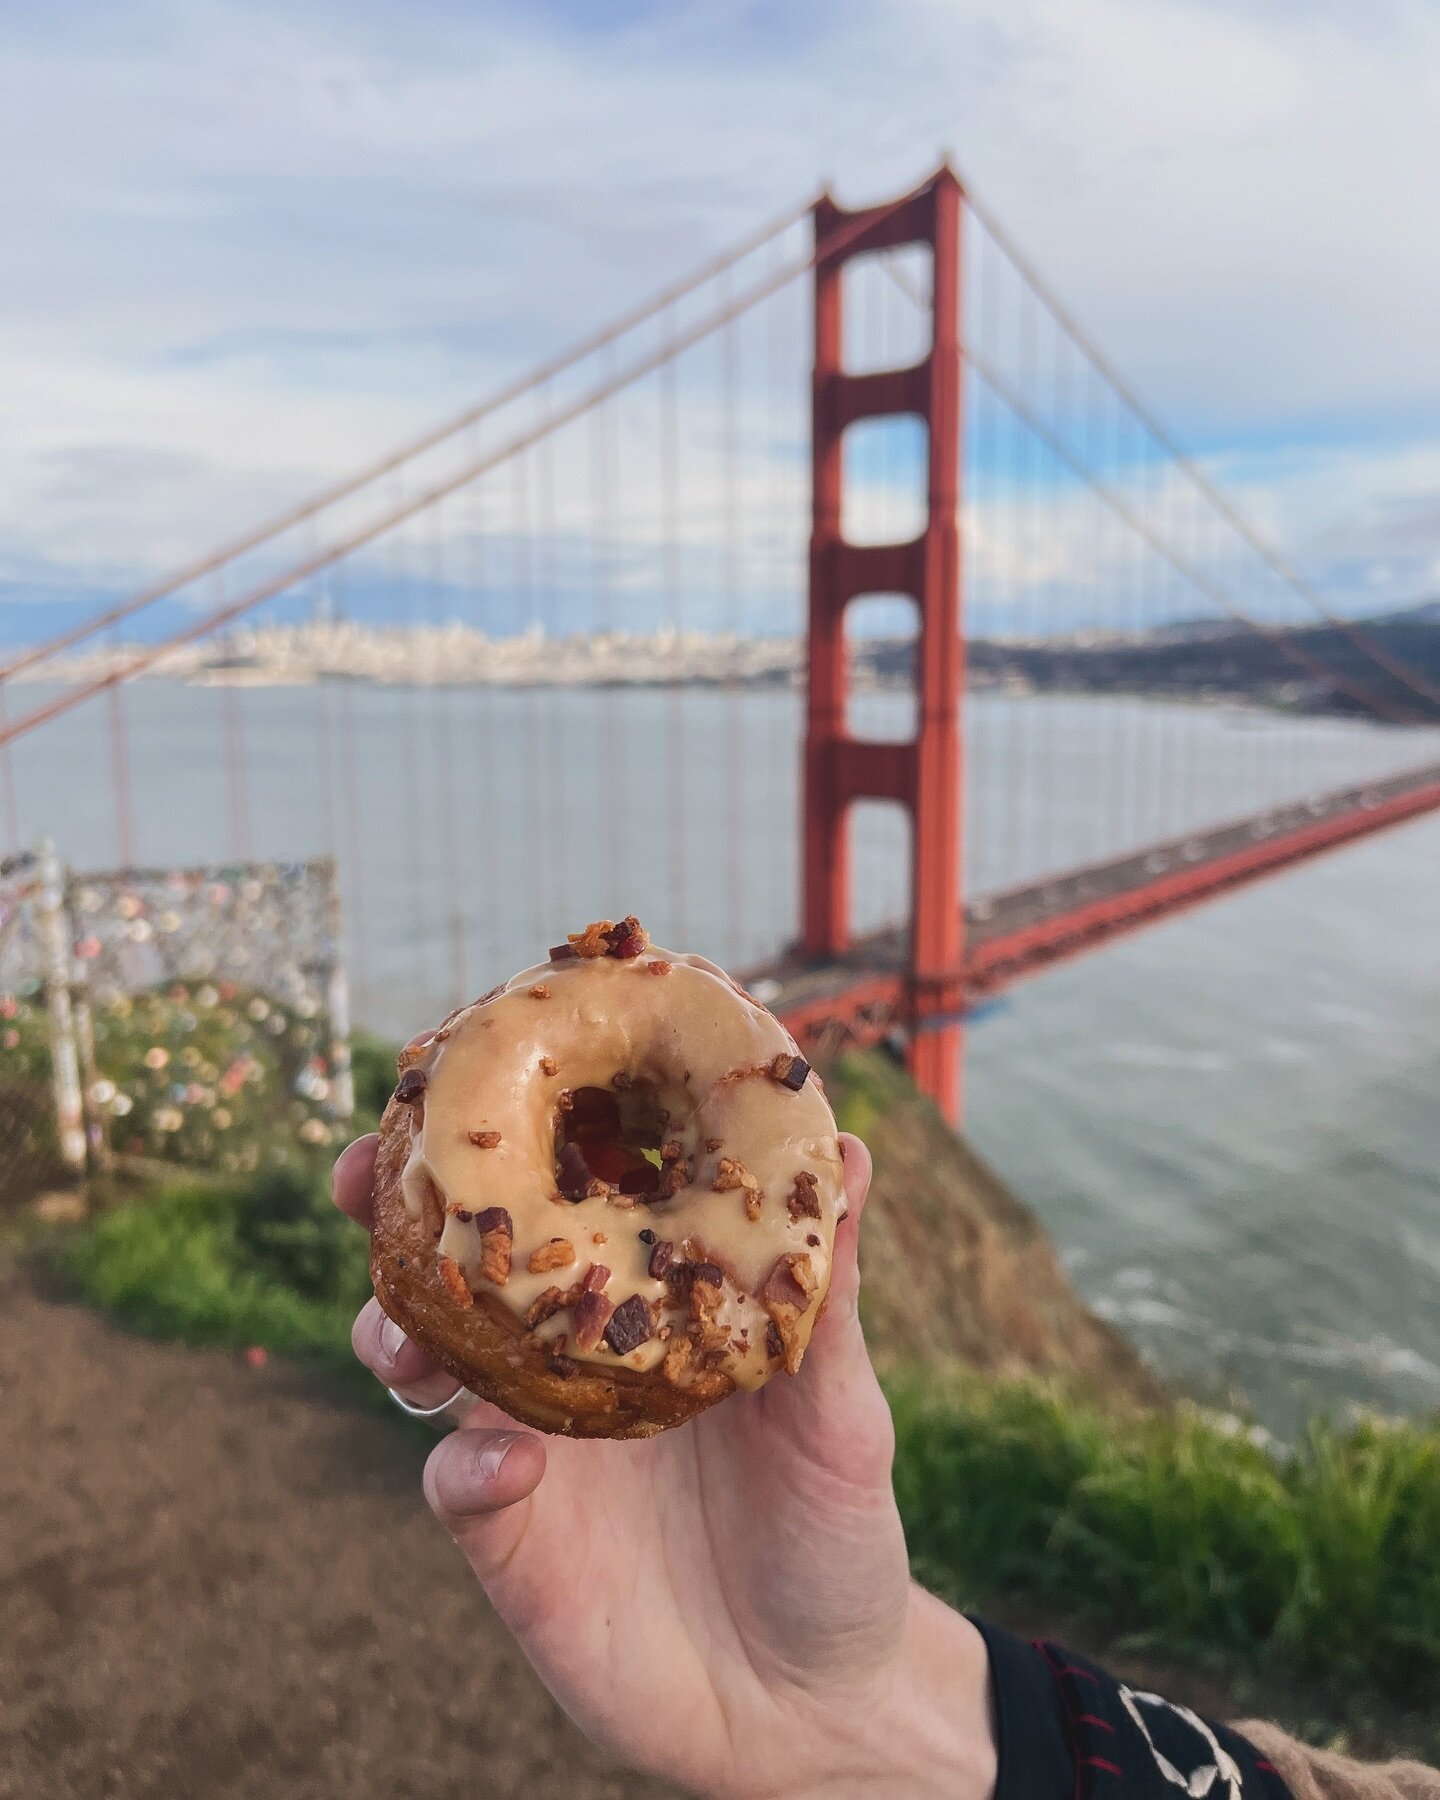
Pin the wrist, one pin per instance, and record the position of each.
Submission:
(926, 1728)
(942, 1702)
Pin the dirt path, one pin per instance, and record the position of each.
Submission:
(214, 1581)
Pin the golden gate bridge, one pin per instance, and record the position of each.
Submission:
(971, 462)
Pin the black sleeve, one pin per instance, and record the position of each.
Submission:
(1069, 1731)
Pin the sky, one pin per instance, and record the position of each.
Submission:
(248, 245)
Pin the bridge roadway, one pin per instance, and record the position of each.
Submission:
(863, 995)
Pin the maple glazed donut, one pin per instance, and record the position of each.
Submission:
(607, 1192)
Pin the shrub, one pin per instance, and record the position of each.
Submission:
(1183, 1528)
(210, 1266)
(287, 1229)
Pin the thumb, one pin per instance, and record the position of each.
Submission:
(834, 1407)
(837, 1332)
(479, 1484)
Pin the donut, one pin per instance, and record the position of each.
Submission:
(606, 1192)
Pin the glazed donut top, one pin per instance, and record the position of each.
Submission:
(629, 1153)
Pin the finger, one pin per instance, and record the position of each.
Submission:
(392, 1359)
(834, 1408)
(352, 1181)
(842, 1306)
(479, 1485)
(859, 1168)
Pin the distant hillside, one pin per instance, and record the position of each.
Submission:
(1209, 661)
(955, 1267)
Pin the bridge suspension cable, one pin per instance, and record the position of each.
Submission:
(533, 379)
(761, 288)
(1283, 641)
(1218, 498)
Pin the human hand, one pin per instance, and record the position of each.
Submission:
(727, 1604)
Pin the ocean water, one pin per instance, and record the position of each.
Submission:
(1230, 1123)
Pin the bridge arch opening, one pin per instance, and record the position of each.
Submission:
(880, 860)
(885, 298)
(881, 700)
(884, 495)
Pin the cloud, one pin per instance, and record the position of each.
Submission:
(249, 246)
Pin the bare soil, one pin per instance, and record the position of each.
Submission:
(218, 1580)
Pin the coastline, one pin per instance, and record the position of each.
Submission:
(1206, 669)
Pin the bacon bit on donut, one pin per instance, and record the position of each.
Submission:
(596, 1189)
(453, 1276)
(673, 1177)
(605, 938)
(594, 1278)
(804, 1201)
(682, 1277)
(562, 952)
(744, 1072)
(812, 1240)
(629, 938)
(677, 1359)
(630, 1326)
(559, 1253)
(795, 1073)
(621, 1081)
(547, 1065)
(785, 1296)
(564, 1366)
(593, 940)
(713, 1144)
(659, 966)
(566, 1100)
(591, 1313)
(710, 1337)
(597, 1237)
(661, 1258)
(731, 1174)
(539, 991)
(545, 1305)
(411, 1087)
(484, 1140)
(774, 1343)
(497, 1242)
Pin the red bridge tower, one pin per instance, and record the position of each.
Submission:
(923, 775)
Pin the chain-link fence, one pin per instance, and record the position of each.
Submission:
(188, 1016)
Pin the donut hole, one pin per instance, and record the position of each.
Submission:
(612, 1135)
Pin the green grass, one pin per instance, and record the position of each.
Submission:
(1179, 1531)
(269, 1263)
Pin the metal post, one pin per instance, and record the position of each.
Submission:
(53, 927)
(337, 1002)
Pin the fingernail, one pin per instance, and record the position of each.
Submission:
(491, 1454)
(392, 1340)
(464, 1482)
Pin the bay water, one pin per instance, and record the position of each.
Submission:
(1230, 1123)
